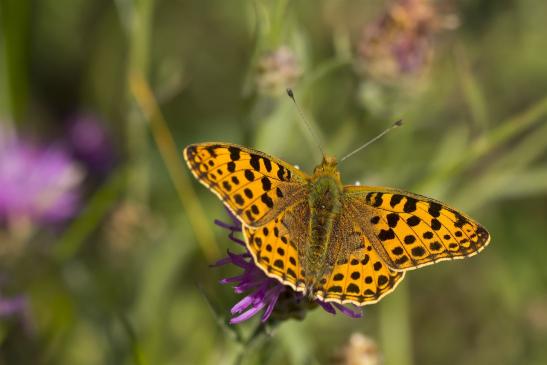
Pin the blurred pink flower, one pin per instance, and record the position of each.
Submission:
(399, 41)
(39, 183)
(277, 70)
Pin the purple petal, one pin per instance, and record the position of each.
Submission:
(246, 315)
(273, 296)
(227, 225)
(326, 306)
(348, 312)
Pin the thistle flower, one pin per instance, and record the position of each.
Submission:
(276, 71)
(399, 42)
(275, 300)
(39, 184)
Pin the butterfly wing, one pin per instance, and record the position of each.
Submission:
(275, 246)
(409, 230)
(355, 274)
(255, 186)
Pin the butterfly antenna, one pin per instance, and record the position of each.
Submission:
(395, 125)
(308, 125)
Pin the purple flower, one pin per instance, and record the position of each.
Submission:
(91, 144)
(264, 293)
(15, 307)
(12, 306)
(39, 183)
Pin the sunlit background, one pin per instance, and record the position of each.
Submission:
(106, 241)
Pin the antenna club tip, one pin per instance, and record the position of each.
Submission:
(290, 93)
(398, 123)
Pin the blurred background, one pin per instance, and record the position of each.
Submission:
(106, 240)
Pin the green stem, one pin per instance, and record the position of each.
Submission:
(138, 26)
(395, 328)
(14, 21)
(96, 209)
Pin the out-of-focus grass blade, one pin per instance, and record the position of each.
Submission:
(173, 162)
(472, 92)
(488, 142)
(500, 177)
(221, 320)
(138, 358)
(94, 211)
(527, 183)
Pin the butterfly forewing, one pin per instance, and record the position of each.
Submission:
(410, 231)
(255, 186)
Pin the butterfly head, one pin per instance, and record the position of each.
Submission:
(329, 166)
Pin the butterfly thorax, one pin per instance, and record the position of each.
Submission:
(325, 193)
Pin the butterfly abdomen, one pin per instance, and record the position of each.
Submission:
(325, 204)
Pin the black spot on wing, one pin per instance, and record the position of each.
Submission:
(378, 200)
(249, 175)
(385, 235)
(234, 153)
(413, 221)
(267, 200)
(266, 183)
(392, 219)
(395, 199)
(267, 164)
(352, 288)
(410, 205)
(434, 209)
(255, 161)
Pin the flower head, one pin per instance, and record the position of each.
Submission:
(265, 294)
(277, 70)
(399, 42)
(39, 183)
(359, 350)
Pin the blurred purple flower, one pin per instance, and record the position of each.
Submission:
(12, 306)
(38, 183)
(265, 293)
(15, 307)
(91, 144)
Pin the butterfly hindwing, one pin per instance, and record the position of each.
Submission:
(274, 246)
(255, 186)
(410, 231)
(359, 275)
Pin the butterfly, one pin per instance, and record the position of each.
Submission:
(332, 242)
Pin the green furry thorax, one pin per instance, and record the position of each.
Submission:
(325, 205)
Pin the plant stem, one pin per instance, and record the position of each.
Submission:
(139, 20)
(14, 21)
